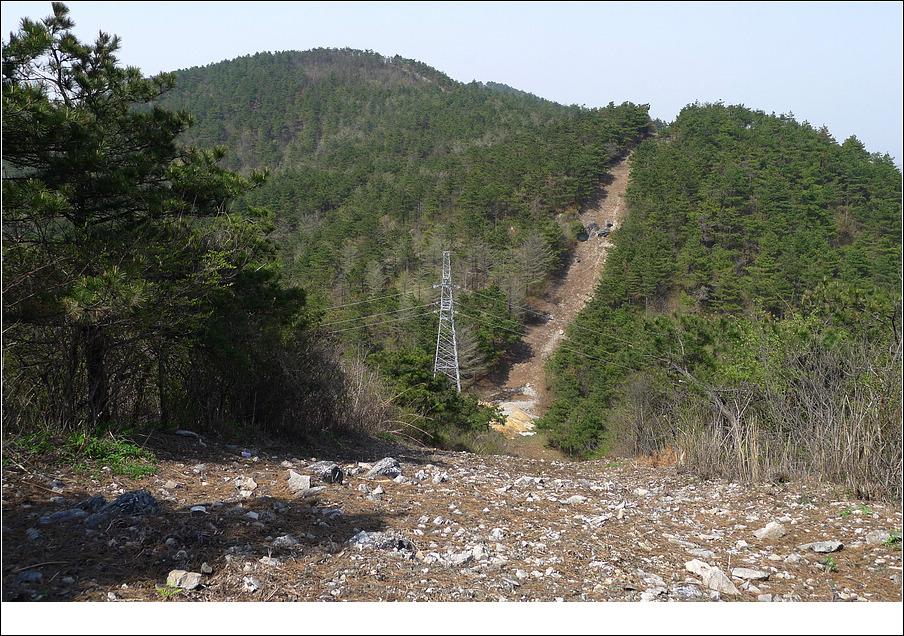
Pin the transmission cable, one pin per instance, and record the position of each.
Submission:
(375, 298)
(576, 326)
(380, 322)
(560, 346)
(385, 313)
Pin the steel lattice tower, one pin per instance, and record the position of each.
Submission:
(446, 361)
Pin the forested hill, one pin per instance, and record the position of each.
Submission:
(378, 164)
(276, 108)
(756, 248)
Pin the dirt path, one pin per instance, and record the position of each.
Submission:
(451, 526)
(522, 396)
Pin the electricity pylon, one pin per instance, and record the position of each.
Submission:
(446, 361)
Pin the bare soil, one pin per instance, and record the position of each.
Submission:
(461, 527)
(521, 390)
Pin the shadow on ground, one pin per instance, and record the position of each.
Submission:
(70, 561)
(135, 550)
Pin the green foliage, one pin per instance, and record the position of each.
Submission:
(862, 508)
(86, 450)
(493, 320)
(167, 591)
(752, 239)
(134, 291)
(379, 164)
(829, 563)
(123, 457)
(442, 412)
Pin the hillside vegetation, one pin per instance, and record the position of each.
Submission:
(252, 245)
(379, 164)
(177, 248)
(750, 309)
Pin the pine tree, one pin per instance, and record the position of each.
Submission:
(106, 217)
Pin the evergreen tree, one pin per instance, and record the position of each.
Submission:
(115, 236)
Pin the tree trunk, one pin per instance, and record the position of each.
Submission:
(97, 374)
(161, 386)
(70, 415)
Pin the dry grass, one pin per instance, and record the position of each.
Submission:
(830, 415)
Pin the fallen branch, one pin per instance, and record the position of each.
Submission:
(37, 565)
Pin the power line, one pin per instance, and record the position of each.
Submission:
(385, 313)
(576, 326)
(560, 346)
(497, 325)
(381, 322)
(375, 298)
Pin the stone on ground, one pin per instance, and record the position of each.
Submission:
(386, 467)
(749, 574)
(298, 482)
(772, 532)
(183, 579)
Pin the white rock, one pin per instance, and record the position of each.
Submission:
(387, 466)
(251, 584)
(245, 484)
(876, 537)
(696, 566)
(183, 580)
(749, 574)
(298, 482)
(772, 532)
(310, 493)
(712, 577)
(285, 541)
(686, 591)
(823, 547)
(461, 558)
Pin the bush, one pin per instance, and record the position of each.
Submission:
(830, 413)
(83, 450)
(430, 401)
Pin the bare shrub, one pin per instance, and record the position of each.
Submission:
(639, 425)
(831, 414)
(366, 407)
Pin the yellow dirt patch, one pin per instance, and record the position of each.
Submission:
(516, 422)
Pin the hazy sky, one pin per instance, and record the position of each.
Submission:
(838, 64)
